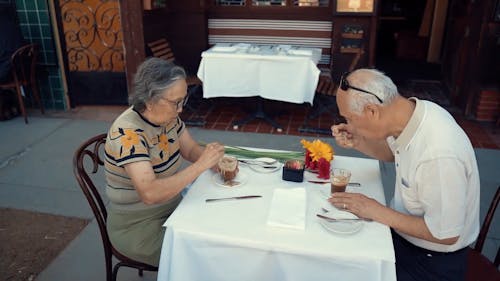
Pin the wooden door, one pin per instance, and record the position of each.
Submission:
(92, 47)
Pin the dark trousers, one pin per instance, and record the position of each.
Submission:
(417, 264)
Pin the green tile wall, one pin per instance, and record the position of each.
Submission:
(36, 27)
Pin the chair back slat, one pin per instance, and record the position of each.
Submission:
(487, 222)
(328, 87)
(161, 49)
(23, 70)
(23, 63)
(93, 150)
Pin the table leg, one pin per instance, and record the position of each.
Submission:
(258, 113)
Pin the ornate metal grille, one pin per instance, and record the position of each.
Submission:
(93, 35)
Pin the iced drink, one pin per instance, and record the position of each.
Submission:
(228, 168)
(339, 178)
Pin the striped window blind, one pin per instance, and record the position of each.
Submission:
(300, 33)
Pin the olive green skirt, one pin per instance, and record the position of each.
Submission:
(139, 234)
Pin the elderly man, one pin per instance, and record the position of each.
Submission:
(434, 214)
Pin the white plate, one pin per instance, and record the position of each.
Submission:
(241, 179)
(260, 169)
(341, 227)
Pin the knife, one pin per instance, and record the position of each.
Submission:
(322, 182)
(232, 198)
(346, 219)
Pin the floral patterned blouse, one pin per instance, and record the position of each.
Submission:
(132, 138)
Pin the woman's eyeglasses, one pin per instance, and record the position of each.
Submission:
(178, 104)
(344, 85)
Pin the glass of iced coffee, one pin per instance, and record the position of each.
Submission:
(339, 178)
(228, 168)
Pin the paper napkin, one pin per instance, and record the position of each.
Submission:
(288, 208)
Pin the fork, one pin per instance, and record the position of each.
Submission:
(258, 162)
(341, 219)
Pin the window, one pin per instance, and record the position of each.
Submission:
(355, 6)
(230, 3)
(311, 3)
(294, 3)
(268, 3)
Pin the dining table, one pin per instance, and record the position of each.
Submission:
(277, 234)
(274, 72)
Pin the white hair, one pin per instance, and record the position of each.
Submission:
(373, 81)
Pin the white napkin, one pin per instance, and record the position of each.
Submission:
(288, 208)
(300, 52)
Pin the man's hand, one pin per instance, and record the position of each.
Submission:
(356, 203)
(344, 136)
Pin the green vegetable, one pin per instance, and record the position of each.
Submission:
(281, 156)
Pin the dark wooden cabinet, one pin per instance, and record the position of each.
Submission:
(471, 62)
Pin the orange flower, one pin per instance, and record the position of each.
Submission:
(129, 138)
(318, 149)
(163, 145)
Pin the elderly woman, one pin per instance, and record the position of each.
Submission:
(145, 147)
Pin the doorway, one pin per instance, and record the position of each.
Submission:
(404, 36)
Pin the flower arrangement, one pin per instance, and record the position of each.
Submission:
(318, 157)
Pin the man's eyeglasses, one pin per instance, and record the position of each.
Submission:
(178, 104)
(344, 85)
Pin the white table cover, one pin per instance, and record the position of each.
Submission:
(271, 73)
(230, 240)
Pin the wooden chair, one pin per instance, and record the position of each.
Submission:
(480, 267)
(23, 66)
(161, 49)
(325, 98)
(93, 149)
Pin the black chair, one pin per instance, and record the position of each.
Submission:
(23, 76)
(479, 267)
(93, 149)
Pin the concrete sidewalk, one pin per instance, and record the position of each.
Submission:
(36, 175)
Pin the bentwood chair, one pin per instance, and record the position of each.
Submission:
(23, 76)
(479, 267)
(161, 49)
(325, 98)
(86, 161)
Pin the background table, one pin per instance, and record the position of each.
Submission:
(230, 240)
(268, 73)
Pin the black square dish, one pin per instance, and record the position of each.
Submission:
(293, 170)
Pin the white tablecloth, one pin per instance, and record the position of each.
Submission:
(231, 240)
(268, 72)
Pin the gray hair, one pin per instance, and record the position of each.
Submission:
(374, 81)
(153, 76)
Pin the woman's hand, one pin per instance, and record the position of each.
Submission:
(344, 136)
(211, 155)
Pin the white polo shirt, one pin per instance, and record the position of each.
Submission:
(437, 177)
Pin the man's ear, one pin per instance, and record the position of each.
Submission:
(371, 110)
